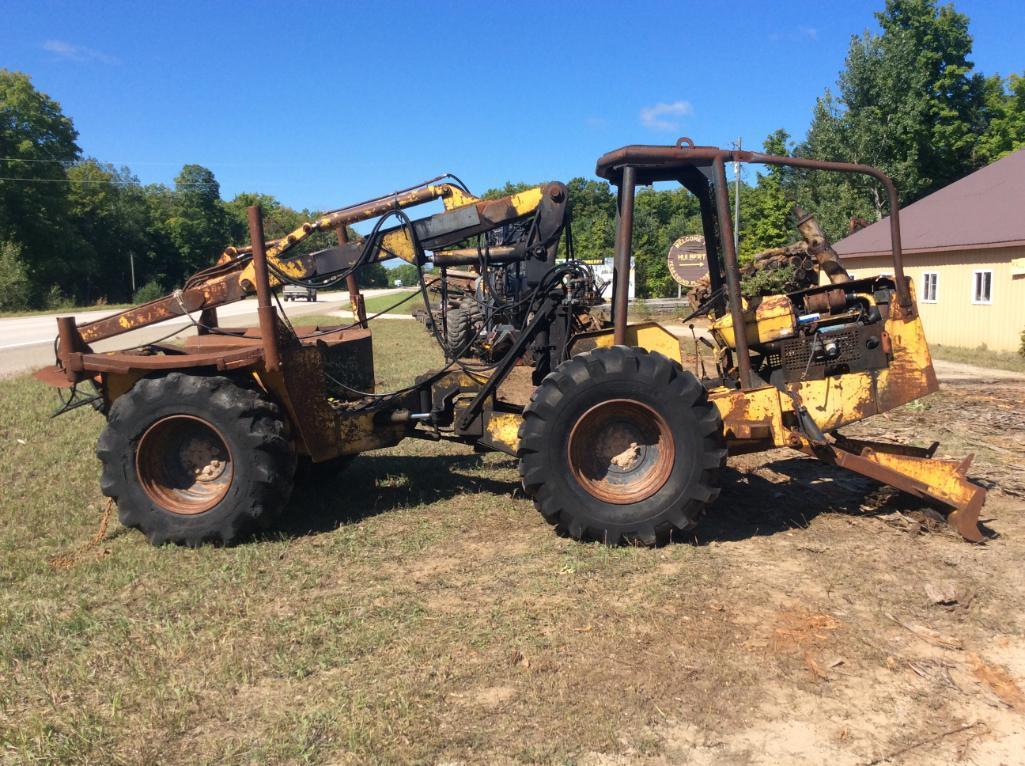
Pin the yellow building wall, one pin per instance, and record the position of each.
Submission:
(954, 320)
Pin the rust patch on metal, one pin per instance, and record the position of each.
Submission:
(621, 451)
(184, 464)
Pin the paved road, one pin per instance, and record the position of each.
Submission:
(958, 372)
(27, 342)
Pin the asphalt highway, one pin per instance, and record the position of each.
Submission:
(26, 342)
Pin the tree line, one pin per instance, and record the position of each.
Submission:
(907, 100)
(75, 231)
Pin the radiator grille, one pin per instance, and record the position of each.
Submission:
(795, 353)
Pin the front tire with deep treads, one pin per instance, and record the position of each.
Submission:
(191, 459)
(621, 445)
(458, 331)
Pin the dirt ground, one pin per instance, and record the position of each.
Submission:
(416, 609)
(882, 637)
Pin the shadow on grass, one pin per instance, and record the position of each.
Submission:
(373, 484)
(749, 505)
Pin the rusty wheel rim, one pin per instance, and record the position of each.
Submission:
(184, 464)
(621, 451)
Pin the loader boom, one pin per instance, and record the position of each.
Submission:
(233, 277)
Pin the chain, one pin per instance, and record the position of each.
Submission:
(68, 559)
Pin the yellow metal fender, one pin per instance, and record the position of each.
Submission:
(501, 429)
(647, 335)
(766, 318)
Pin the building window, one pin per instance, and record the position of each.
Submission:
(982, 290)
(930, 281)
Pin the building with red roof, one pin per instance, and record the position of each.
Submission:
(964, 248)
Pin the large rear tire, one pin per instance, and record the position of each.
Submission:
(621, 445)
(458, 331)
(192, 459)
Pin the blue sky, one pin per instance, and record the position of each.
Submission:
(325, 104)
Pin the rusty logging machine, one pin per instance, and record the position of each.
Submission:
(616, 440)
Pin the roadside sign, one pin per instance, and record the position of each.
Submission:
(687, 262)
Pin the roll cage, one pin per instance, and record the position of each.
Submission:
(702, 171)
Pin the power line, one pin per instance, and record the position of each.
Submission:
(26, 159)
(97, 181)
(69, 163)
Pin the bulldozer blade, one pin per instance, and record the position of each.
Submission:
(943, 482)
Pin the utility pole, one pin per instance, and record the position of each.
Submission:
(736, 198)
(131, 263)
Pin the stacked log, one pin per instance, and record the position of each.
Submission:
(804, 270)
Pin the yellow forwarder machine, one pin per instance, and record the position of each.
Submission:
(618, 442)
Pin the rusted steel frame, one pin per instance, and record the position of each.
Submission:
(732, 269)
(215, 292)
(70, 344)
(541, 319)
(265, 311)
(963, 515)
(495, 212)
(360, 212)
(463, 256)
(121, 362)
(226, 288)
(858, 446)
(299, 385)
(903, 295)
(359, 311)
(470, 257)
(423, 185)
(713, 255)
(651, 158)
(233, 251)
(207, 321)
(621, 257)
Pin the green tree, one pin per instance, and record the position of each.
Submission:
(14, 281)
(767, 212)
(37, 141)
(660, 217)
(109, 213)
(508, 188)
(907, 102)
(278, 219)
(198, 226)
(406, 273)
(1005, 123)
(162, 263)
(592, 205)
(372, 275)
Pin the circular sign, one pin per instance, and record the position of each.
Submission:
(687, 261)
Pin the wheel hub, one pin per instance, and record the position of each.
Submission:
(184, 464)
(621, 451)
(202, 458)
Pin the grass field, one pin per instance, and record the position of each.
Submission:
(417, 609)
(980, 357)
(382, 302)
(64, 310)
